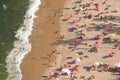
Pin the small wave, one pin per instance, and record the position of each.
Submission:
(22, 45)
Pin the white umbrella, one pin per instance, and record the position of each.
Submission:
(66, 71)
(77, 60)
(117, 64)
(96, 63)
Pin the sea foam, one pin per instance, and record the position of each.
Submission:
(22, 45)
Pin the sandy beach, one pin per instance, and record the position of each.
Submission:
(83, 39)
(45, 32)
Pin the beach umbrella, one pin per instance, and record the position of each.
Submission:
(77, 68)
(76, 54)
(102, 12)
(96, 63)
(77, 41)
(112, 54)
(81, 9)
(117, 64)
(97, 6)
(77, 60)
(77, 25)
(77, 65)
(98, 36)
(72, 17)
(112, 35)
(66, 71)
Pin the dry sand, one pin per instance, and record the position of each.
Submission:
(34, 64)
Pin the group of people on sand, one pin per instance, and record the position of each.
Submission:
(72, 71)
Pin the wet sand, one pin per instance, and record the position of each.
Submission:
(45, 33)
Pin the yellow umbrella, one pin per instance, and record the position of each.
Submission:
(76, 54)
(112, 35)
(81, 8)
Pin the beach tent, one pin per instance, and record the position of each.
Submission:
(66, 71)
(96, 63)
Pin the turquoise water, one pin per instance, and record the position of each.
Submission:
(11, 18)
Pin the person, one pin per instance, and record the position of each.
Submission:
(96, 43)
(106, 67)
(95, 67)
(91, 77)
(51, 75)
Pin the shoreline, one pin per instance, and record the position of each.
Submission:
(42, 39)
(22, 45)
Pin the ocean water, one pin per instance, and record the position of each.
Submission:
(16, 20)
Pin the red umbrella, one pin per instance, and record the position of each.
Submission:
(77, 41)
(97, 6)
(98, 36)
(77, 65)
(102, 12)
(112, 54)
(72, 17)
(96, 42)
(77, 25)
(77, 68)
